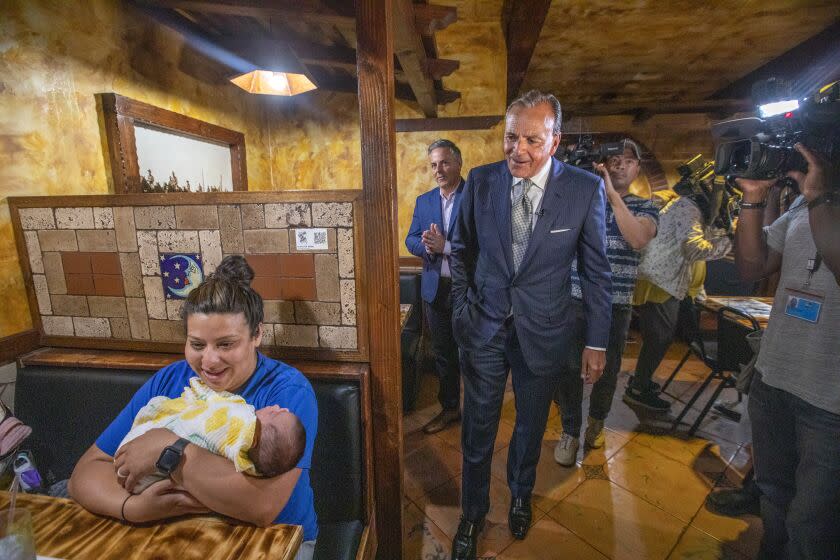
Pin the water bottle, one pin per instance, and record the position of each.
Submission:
(30, 478)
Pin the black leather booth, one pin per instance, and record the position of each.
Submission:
(411, 338)
(68, 408)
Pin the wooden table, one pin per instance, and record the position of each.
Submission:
(63, 529)
(742, 303)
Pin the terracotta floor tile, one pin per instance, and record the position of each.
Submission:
(697, 545)
(548, 540)
(553, 481)
(665, 483)
(422, 539)
(618, 523)
(443, 507)
(742, 534)
(452, 436)
(614, 441)
(430, 465)
(418, 418)
(694, 451)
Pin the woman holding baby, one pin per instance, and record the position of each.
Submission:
(223, 318)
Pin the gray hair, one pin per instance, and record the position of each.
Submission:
(536, 97)
(444, 143)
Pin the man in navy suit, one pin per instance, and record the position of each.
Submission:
(522, 222)
(430, 238)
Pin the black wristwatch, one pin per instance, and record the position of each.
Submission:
(171, 456)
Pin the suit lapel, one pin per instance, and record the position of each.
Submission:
(435, 211)
(500, 199)
(456, 205)
(552, 198)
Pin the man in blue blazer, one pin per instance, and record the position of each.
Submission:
(522, 221)
(430, 238)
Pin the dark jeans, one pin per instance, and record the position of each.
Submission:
(439, 320)
(796, 452)
(657, 323)
(569, 395)
(485, 374)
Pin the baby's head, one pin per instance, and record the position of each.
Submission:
(280, 443)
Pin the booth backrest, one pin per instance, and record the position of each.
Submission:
(68, 408)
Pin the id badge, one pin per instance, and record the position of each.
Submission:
(805, 306)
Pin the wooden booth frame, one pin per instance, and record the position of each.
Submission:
(122, 113)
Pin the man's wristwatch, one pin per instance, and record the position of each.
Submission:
(171, 456)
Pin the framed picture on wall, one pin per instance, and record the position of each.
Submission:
(155, 150)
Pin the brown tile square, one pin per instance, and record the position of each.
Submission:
(108, 284)
(80, 284)
(297, 266)
(76, 263)
(264, 265)
(268, 287)
(296, 288)
(105, 263)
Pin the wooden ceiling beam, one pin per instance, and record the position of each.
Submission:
(409, 50)
(643, 111)
(301, 10)
(437, 68)
(429, 18)
(523, 21)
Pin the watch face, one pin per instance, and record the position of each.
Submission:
(168, 460)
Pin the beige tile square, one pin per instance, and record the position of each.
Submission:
(138, 318)
(132, 278)
(124, 227)
(553, 481)
(348, 302)
(296, 335)
(155, 301)
(103, 218)
(443, 506)
(154, 217)
(54, 271)
(346, 259)
(178, 242)
(99, 240)
(107, 306)
(92, 327)
(422, 539)
(429, 466)
(701, 454)
(697, 545)
(167, 331)
(120, 328)
(317, 313)
(253, 216)
(659, 480)
(742, 534)
(42, 294)
(148, 251)
(57, 326)
(548, 540)
(74, 306)
(211, 250)
(283, 215)
(36, 218)
(173, 309)
(230, 229)
(267, 335)
(33, 249)
(277, 311)
(326, 278)
(343, 338)
(57, 240)
(74, 218)
(198, 216)
(266, 240)
(332, 214)
(618, 523)
(613, 442)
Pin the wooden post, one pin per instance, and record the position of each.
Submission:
(375, 61)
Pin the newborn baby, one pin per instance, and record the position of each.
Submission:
(265, 442)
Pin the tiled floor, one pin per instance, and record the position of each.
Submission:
(639, 497)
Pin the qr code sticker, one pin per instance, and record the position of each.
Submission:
(320, 237)
(301, 235)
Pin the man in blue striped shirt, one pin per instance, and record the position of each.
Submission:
(631, 224)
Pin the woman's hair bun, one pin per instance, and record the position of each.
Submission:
(235, 268)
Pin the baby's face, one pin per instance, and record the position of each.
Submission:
(273, 415)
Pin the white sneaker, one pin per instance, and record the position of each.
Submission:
(566, 451)
(593, 437)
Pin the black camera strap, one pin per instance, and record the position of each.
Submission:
(813, 266)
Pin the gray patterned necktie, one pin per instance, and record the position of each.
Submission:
(520, 221)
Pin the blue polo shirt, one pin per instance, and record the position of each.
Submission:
(273, 382)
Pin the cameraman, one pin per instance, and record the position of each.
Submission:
(795, 400)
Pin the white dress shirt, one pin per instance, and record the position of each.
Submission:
(446, 204)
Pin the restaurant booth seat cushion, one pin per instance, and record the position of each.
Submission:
(68, 408)
(411, 338)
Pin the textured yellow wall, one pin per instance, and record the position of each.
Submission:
(56, 55)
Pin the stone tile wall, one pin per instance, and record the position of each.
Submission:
(96, 270)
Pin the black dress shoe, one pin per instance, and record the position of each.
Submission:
(519, 518)
(465, 543)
